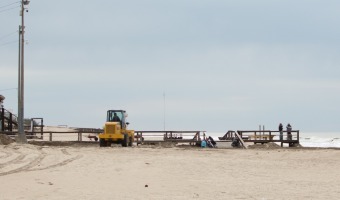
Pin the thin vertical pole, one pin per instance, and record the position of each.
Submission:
(164, 110)
(42, 129)
(262, 132)
(21, 138)
(19, 79)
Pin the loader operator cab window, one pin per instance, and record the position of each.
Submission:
(116, 116)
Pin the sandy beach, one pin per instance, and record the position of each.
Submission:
(86, 171)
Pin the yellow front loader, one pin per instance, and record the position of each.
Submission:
(115, 130)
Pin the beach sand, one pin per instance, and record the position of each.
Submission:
(86, 171)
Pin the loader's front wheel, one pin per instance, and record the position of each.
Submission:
(125, 140)
(130, 141)
(102, 143)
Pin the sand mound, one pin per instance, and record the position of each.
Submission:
(264, 146)
(5, 139)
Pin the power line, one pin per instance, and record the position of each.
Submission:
(5, 10)
(7, 43)
(9, 4)
(7, 35)
(9, 89)
(3, 1)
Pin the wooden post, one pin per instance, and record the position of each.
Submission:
(241, 140)
(10, 122)
(2, 117)
(137, 138)
(50, 136)
(42, 129)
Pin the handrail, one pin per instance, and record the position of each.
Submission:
(9, 118)
(169, 136)
(263, 136)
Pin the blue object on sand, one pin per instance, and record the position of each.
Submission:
(203, 144)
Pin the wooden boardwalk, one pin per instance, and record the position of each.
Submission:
(265, 136)
(189, 137)
(150, 137)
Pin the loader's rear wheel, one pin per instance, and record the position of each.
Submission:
(102, 143)
(125, 140)
(130, 141)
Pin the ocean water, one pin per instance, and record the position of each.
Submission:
(307, 139)
(319, 139)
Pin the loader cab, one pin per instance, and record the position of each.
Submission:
(117, 116)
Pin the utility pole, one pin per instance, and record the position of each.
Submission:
(164, 110)
(21, 137)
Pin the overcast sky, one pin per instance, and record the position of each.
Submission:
(222, 64)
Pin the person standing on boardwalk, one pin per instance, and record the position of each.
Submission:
(281, 129)
(289, 131)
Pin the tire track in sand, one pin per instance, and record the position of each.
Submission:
(5, 154)
(27, 166)
(15, 160)
(36, 162)
(65, 152)
(65, 162)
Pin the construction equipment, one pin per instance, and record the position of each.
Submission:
(115, 130)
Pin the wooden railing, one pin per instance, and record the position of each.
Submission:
(192, 137)
(8, 120)
(269, 135)
(58, 135)
(264, 136)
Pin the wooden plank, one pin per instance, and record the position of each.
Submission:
(267, 141)
(241, 140)
(261, 137)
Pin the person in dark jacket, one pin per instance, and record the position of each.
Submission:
(281, 129)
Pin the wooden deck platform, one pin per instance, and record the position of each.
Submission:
(265, 136)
